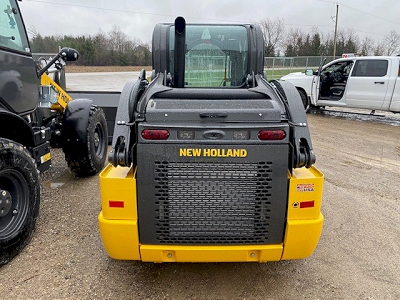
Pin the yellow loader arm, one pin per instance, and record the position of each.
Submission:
(62, 96)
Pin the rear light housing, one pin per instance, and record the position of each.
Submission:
(271, 135)
(186, 135)
(241, 135)
(155, 134)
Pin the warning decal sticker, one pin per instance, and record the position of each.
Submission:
(305, 187)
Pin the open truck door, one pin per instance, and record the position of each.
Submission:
(315, 85)
(330, 86)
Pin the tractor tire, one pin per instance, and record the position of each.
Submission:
(91, 157)
(19, 198)
(304, 99)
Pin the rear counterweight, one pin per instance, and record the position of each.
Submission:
(214, 195)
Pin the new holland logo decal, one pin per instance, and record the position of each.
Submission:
(197, 152)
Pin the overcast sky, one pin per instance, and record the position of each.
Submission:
(137, 18)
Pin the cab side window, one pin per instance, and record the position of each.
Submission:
(370, 68)
(12, 31)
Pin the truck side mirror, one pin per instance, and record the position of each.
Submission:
(309, 72)
(69, 54)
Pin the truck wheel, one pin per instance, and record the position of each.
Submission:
(304, 99)
(92, 157)
(19, 198)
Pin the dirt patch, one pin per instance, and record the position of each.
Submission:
(90, 69)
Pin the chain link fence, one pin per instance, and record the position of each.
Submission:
(276, 67)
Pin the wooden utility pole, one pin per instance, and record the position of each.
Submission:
(335, 37)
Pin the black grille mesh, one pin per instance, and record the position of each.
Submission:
(212, 203)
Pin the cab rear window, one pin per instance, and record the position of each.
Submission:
(216, 55)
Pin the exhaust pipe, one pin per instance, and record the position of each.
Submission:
(179, 52)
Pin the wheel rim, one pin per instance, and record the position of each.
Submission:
(14, 204)
(98, 140)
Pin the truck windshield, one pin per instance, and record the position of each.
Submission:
(12, 31)
(216, 55)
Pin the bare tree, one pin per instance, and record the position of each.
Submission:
(293, 37)
(32, 32)
(367, 46)
(118, 39)
(352, 41)
(379, 49)
(392, 43)
(273, 31)
(101, 47)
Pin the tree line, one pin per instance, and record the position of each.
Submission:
(116, 48)
(295, 42)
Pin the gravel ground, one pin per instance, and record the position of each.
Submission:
(358, 256)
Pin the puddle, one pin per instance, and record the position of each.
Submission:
(55, 185)
(381, 117)
(59, 181)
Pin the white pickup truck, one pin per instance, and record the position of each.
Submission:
(368, 82)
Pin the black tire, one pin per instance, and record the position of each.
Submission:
(92, 156)
(304, 99)
(19, 198)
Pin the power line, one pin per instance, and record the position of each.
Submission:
(397, 23)
(364, 12)
(127, 11)
(330, 26)
(208, 19)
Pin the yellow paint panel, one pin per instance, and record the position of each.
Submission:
(305, 185)
(62, 97)
(167, 253)
(120, 238)
(118, 184)
(301, 237)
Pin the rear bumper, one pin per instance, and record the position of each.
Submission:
(118, 223)
(120, 238)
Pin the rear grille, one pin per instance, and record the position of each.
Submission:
(212, 203)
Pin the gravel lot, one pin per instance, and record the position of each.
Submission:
(358, 256)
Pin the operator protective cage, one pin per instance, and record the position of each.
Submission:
(199, 65)
(238, 50)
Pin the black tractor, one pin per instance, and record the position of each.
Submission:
(35, 113)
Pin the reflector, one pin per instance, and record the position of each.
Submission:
(117, 204)
(155, 134)
(306, 204)
(271, 135)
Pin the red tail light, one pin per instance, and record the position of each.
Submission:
(155, 134)
(271, 135)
